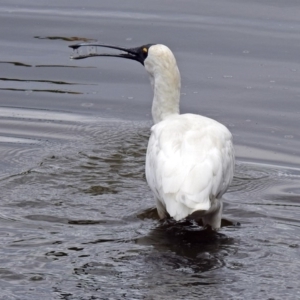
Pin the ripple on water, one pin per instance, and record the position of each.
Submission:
(84, 224)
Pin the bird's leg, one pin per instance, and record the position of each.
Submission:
(214, 218)
(162, 213)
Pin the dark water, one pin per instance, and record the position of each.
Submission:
(77, 219)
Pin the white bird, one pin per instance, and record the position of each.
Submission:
(190, 158)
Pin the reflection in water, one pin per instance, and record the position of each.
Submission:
(19, 64)
(195, 247)
(44, 91)
(68, 39)
(62, 66)
(35, 80)
(15, 63)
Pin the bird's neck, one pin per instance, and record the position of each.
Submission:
(166, 88)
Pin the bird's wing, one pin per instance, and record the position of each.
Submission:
(189, 163)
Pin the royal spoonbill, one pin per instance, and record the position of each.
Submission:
(190, 158)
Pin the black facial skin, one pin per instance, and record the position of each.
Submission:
(139, 54)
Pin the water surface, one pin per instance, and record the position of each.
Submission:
(77, 217)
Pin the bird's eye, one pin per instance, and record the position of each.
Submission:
(145, 50)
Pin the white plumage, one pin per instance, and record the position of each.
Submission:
(190, 158)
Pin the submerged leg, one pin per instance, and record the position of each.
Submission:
(214, 218)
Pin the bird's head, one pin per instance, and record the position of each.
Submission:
(155, 57)
(160, 64)
(139, 54)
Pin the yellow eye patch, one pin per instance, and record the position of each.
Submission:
(145, 50)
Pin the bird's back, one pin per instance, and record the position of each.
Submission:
(189, 163)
